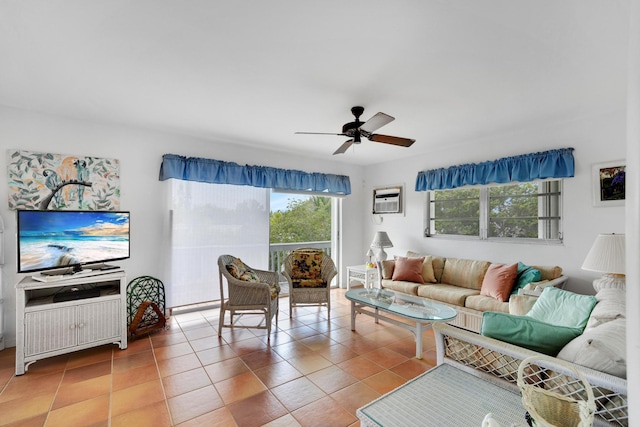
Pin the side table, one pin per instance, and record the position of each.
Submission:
(367, 276)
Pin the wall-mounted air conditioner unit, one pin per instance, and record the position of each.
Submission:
(387, 200)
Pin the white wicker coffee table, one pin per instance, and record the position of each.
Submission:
(421, 312)
(441, 397)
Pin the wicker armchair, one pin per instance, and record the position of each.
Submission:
(305, 288)
(257, 295)
(561, 396)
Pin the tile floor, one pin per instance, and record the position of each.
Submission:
(314, 373)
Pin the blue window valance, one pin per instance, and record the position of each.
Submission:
(527, 167)
(220, 172)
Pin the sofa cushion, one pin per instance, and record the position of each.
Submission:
(465, 273)
(525, 276)
(527, 332)
(437, 263)
(602, 348)
(498, 281)
(387, 268)
(410, 288)
(428, 274)
(549, 272)
(610, 306)
(521, 304)
(563, 308)
(408, 269)
(485, 303)
(450, 294)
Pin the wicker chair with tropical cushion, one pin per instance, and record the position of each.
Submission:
(309, 273)
(250, 291)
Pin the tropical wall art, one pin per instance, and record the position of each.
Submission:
(609, 183)
(61, 181)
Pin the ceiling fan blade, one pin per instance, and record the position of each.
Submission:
(318, 133)
(376, 122)
(395, 140)
(344, 147)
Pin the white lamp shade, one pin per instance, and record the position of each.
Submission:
(381, 240)
(370, 252)
(606, 255)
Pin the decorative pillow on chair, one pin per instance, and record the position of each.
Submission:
(307, 264)
(498, 281)
(241, 271)
(306, 270)
(408, 269)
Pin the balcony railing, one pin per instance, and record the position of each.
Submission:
(279, 251)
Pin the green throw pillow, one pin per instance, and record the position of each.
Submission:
(527, 332)
(563, 308)
(525, 276)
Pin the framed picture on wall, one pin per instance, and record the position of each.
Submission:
(609, 183)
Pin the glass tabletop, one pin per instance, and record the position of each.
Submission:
(402, 304)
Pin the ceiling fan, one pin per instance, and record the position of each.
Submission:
(357, 129)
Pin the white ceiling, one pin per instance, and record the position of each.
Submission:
(253, 72)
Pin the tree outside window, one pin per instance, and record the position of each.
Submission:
(528, 210)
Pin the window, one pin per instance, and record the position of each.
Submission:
(529, 210)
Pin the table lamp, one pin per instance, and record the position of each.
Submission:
(607, 256)
(380, 241)
(369, 255)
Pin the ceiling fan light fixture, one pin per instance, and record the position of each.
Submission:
(357, 129)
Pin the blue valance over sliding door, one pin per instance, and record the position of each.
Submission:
(527, 167)
(219, 172)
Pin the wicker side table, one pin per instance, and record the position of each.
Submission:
(367, 276)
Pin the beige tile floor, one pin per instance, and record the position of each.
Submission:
(314, 372)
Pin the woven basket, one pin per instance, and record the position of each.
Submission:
(555, 398)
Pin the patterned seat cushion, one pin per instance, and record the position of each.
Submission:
(306, 269)
(275, 290)
(308, 283)
(241, 271)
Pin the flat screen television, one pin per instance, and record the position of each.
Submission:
(67, 241)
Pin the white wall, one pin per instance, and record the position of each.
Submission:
(633, 214)
(595, 139)
(140, 154)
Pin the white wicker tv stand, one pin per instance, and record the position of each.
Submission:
(45, 328)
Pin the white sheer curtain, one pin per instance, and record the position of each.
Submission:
(209, 220)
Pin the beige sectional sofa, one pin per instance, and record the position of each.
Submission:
(458, 283)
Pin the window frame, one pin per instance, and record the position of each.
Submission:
(546, 211)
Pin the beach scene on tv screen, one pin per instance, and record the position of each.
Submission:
(50, 240)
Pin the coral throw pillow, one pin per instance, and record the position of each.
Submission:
(408, 269)
(499, 280)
